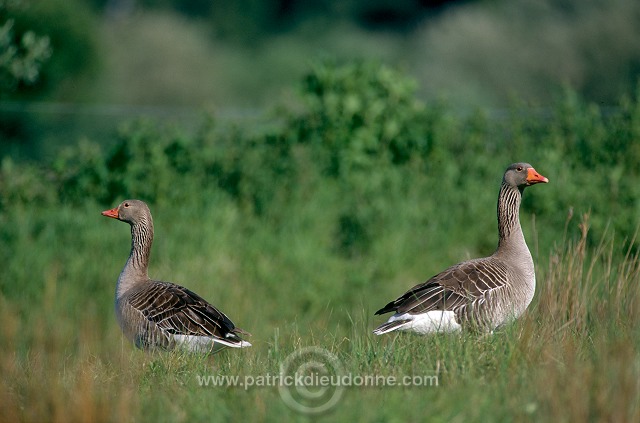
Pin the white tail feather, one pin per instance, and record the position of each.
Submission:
(424, 323)
(207, 344)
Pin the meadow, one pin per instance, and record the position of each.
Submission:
(300, 230)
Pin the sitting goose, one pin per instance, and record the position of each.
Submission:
(483, 293)
(164, 315)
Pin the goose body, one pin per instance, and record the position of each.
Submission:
(483, 293)
(162, 315)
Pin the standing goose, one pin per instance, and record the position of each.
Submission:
(483, 293)
(164, 315)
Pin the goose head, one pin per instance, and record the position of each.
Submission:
(130, 211)
(521, 175)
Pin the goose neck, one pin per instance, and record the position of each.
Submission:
(136, 268)
(509, 228)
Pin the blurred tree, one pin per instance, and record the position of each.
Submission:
(70, 26)
(47, 48)
(21, 56)
(250, 20)
(244, 19)
(394, 14)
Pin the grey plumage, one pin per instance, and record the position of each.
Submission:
(155, 314)
(483, 293)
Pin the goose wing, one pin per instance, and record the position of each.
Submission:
(452, 289)
(178, 311)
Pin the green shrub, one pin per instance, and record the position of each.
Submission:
(24, 185)
(256, 171)
(366, 160)
(360, 116)
(361, 121)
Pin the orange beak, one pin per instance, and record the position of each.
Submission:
(113, 213)
(534, 177)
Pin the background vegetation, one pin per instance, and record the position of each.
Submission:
(170, 59)
(359, 182)
(301, 230)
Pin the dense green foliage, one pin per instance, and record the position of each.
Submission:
(21, 60)
(301, 229)
(114, 59)
(361, 139)
(47, 50)
(56, 37)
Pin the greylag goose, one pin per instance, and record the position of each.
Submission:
(483, 293)
(163, 315)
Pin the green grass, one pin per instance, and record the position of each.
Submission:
(574, 356)
(299, 232)
(254, 222)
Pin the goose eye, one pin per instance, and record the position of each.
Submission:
(126, 204)
(519, 168)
